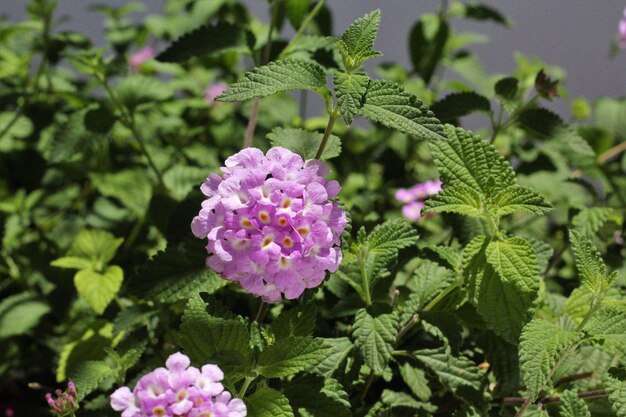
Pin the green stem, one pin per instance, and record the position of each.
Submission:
(305, 23)
(260, 314)
(245, 386)
(332, 118)
(364, 279)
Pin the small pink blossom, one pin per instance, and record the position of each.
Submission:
(138, 58)
(65, 403)
(622, 31)
(413, 210)
(413, 198)
(213, 91)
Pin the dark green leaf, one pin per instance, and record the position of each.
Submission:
(456, 105)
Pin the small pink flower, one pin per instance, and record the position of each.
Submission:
(413, 211)
(66, 402)
(138, 58)
(414, 197)
(213, 91)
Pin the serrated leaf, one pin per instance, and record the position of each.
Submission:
(90, 346)
(131, 187)
(428, 280)
(291, 355)
(389, 104)
(456, 198)
(572, 406)
(590, 220)
(506, 88)
(205, 40)
(357, 42)
(19, 313)
(285, 75)
(341, 348)
(267, 402)
(539, 121)
(520, 199)
(90, 249)
(349, 90)
(416, 380)
(297, 322)
(206, 339)
(456, 105)
(503, 362)
(89, 375)
(136, 89)
(541, 345)
(314, 396)
(615, 385)
(305, 143)
(395, 399)
(99, 288)
(609, 324)
(591, 269)
(375, 335)
(426, 45)
(175, 274)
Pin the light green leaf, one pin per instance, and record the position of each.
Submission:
(615, 384)
(89, 375)
(375, 335)
(91, 249)
(304, 143)
(72, 262)
(204, 40)
(416, 380)
(19, 313)
(131, 187)
(357, 42)
(175, 274)
(181, 179)
(350, 90)
(341, 348)
(136, 89)
(541, 345)
(291, 355)
(572, 406)
(285, 75)
(206, 339)
(428, 280)
(609, 324)
(591, 269)
(456, 198)
(90, 346)
(99, 288)
(389, 104)
(520, 199)
(267, 402)
(296, 11)
(590, 220)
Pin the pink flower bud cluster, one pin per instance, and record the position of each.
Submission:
(270, 224)
(179, 390)
(413, 198)
(138, 58)
(65, 403)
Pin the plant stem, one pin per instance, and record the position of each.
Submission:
(332, 118)
(368, 383)
(245, 386)
(611, 153)
(247, 142)
(364, 280)
(260, 314)
(305, 23)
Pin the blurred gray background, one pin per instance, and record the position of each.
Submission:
(573, 34)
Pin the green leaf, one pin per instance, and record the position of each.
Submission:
(478, 11)
(89, 375)
(507, 88)
(341, 348)
(357, 42)
(389, 104)
(314, 396)
(457, 198)
(541, 345)
(267, 402)
(427, 40)
(131, 187)
(181, 179)
(572, 406)
(539, 121)
(136, 89)
(427, 282)
(350, 90)
(456, 105)
(296, 11)
(205, 40)
(615, 385)
(459, 374)
(99, 288)
(297, 322)
(520, 199)
(590, 220)
(609, 324)
(291, 355)
(207, 339)
(90, 249)
(90, 346)
(395, 399)
(175, 274)
(375, 335)
(285, 75)
(19, 313)
(304, 143)
(416, 380)
(589, 263)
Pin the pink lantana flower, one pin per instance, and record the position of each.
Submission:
(65, 403)
(138, 58)
(413, 198)
(213, 91)
(270, 224)
(622, 31)
(178, 390)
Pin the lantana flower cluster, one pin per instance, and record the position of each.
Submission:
(413, 198)
(269, 223)
(65, 403)
(179, 390)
